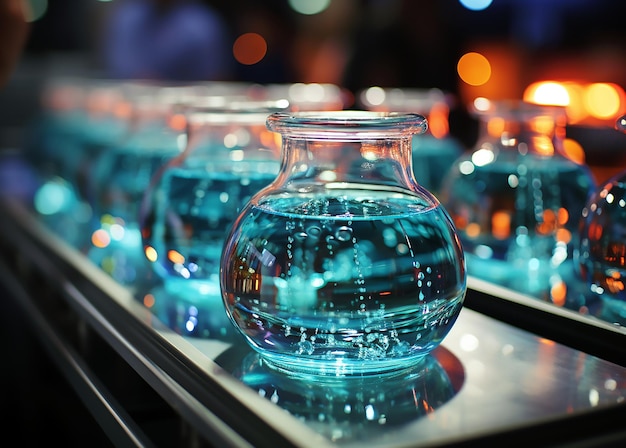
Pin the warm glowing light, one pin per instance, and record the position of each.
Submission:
(148, 300)
(558, 293)
(472, 230)
(100, 238)
(576, 111)
(547, 92)
(582, 100)
(178, 122)
(474, 69)
(543, 145)
(151, 254)
(562, 216)
(495, 126)
(249, 48)
(438, 123)
(501, 225)
(563, 236)
(482, 104)
(549, 223)
(574, 150)
(601, 100)
(175, 257)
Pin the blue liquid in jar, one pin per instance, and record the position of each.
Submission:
(194, 210)
(602, 249)
(431, 157)
(346, 282)
(121, 178)
(540, 200)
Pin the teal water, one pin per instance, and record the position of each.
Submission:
(355, 280)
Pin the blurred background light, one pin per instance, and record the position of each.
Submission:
(602, 100)
(34, 9)
(249, 48)
(309, 7)
(475, 5)
(585, 101)
(474, 69)
(549, 93)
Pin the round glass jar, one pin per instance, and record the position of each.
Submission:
(601, 253)
(515, 199)
(192, 201)
(344, 264)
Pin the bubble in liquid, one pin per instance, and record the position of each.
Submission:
(343, 233)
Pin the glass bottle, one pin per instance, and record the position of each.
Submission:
(436, 150)
(516, 198)
(601, 257)
(52, 137)
(343, 265)
(192, 201)
(122, 173)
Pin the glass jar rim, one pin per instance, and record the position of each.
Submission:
(516, 108)
(237, 110)
(355, 122)
(417, 100)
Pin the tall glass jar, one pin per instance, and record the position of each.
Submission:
(194, 199)
(602, 245)
(344, 265)
(516, 198)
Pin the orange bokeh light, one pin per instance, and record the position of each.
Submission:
(474, 69)
(249, 48)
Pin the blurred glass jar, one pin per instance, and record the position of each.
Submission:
(123, 172)
(55, 132)
(343, 265)
(516, 198)
(194, 199)
(69, 137)
(308, 96)
(434, 152)
(601, 253)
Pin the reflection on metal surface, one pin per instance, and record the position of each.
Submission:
(356, 408)
(505, 382)
(189, 310)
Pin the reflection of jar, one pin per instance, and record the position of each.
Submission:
(602, 247)
(515, 199)
(357, 409)
(344, 264)
(436, 150)
(195, 197)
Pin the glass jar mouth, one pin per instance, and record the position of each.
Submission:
(516, 109)
(346, 122)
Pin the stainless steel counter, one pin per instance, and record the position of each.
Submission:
(510, 370)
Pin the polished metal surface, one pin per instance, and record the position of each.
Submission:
(488, 379)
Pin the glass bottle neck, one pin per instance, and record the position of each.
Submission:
(307, 162)
(539, 134)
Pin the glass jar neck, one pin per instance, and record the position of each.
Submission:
(529, 129)
(347, 147)
(324, 161)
